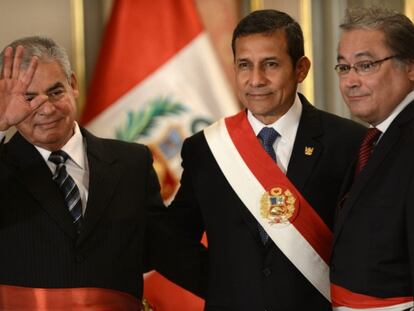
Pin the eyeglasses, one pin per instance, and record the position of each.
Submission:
(364, 67)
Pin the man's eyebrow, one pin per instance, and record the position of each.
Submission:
(270, 58)
(49, 89)
(54, 86)
(242, 59)
(245, 59)
(360, 54)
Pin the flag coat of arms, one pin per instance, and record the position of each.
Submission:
(157, 81)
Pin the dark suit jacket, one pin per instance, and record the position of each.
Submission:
(374, 234)
(40, 247)
(244, 274)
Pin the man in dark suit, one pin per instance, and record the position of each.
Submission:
(373, 252)
(73, 234)
(267, 207)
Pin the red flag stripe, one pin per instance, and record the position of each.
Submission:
(134, 24)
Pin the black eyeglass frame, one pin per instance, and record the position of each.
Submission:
(358, 66)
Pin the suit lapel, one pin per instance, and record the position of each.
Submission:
(34, 174)
(104, 176)
(381, 151)
(306, 149)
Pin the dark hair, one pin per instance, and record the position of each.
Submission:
(267, 22)
(398, 28)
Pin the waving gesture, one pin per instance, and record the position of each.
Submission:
(14, 82)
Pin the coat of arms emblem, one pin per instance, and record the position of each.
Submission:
(278, 205)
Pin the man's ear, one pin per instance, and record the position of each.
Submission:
(302, 68)
(74, 85)
(410, 70)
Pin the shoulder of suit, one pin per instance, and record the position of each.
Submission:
(340, 121)
(113, 149)
(195, 137)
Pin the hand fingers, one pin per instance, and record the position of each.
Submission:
(27, 77)
(38, 101)
(18, 57)
(7, 63)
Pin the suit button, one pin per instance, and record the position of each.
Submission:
(267, 272)
(79, 258)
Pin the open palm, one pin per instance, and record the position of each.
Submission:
(14, 82)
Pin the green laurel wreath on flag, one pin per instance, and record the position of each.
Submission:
(140, 122)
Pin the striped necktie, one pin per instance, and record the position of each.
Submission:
(366, 148)
(267, 137)
(68, 187)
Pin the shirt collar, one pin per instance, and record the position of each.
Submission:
(286, 125)
(74, 148)
(383, 126)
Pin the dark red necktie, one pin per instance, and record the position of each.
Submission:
(366, 148)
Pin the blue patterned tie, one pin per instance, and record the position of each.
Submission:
(267, 137)
(68, 186)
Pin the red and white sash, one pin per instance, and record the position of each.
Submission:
(18, 298)
(345, 300)
(297, 230)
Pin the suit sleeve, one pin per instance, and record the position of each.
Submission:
(169, 251)
(184, 210)
(409, 228)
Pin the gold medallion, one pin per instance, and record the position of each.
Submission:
(278, 205)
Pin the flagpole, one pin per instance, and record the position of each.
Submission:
(78, 47)
(409, 9)
(306, 22)
(256, 5)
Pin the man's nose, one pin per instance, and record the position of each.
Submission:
(351, 79)
(47, 108)
(258, 77)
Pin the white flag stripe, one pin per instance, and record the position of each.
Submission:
(192, 76)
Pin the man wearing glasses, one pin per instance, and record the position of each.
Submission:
(372, 262)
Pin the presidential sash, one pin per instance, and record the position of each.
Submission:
(17, 298)
(345, 300)
(273, 200)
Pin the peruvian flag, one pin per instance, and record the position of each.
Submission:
(157, 81)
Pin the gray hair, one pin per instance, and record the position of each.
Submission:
(45, 49)
(398, 29)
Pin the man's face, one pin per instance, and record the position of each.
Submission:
(373, 96)
(52, 125)
(266, 79)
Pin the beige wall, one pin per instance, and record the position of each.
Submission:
(36, 17)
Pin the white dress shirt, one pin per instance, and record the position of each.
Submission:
(76, 165)
(383, 126)
(287, 127)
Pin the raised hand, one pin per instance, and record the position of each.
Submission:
(14, 82)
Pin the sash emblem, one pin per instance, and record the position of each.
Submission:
(278, 206)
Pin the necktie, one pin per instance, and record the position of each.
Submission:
(366, 148)
(267, 137)
(68, 186)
